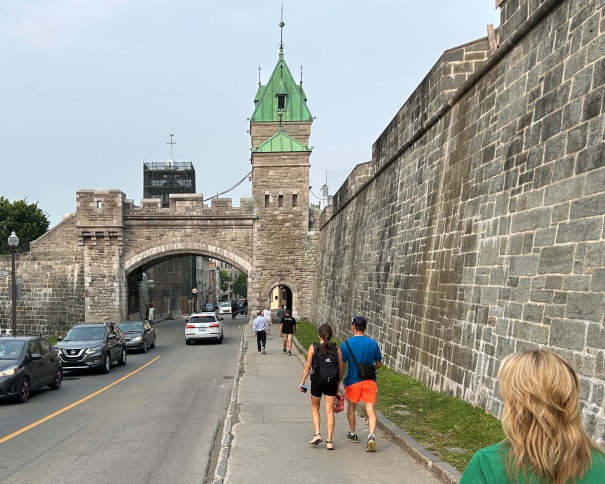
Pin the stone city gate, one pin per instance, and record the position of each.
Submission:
(80, 269)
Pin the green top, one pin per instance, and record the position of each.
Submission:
(281, 95)
(280, 142)
(488, 466)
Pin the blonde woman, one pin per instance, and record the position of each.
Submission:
(545, 440)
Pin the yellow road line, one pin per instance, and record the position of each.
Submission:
(65, 409)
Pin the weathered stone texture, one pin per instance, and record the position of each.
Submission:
(478, 229)
(52, 293)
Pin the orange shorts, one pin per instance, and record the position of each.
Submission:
(364, 390)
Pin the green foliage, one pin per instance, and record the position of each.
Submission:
(240, 286)
(225, 280)
(448, 427)
(27, 220)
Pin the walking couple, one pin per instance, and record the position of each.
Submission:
(327, 364)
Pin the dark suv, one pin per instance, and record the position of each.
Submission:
(241, 306)
(92, 345)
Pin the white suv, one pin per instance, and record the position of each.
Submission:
(203, 326)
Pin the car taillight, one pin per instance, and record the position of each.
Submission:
(190, 326)
(214, 325)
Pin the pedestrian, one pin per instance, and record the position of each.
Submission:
(267, 315)
(259, 329)
(360, 350)
(281, 312)
(287, 329)
(542, 420)
(151, 314)
(326, 361)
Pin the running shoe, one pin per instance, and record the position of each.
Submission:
(352, 437)
(371, 446)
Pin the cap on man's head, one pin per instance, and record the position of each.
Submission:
(359, 322)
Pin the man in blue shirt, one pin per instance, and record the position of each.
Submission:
(260, 327)
(360, 349)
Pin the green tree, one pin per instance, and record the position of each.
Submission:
(225, 280)
(27, 220)
(240, 286)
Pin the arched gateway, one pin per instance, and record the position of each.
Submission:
(267, 237)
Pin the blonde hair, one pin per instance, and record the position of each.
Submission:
(542, 419)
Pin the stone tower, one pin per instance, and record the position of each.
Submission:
(279, 129)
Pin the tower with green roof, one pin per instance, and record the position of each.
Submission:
(280, 127)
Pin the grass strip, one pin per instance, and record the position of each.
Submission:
(448, 427)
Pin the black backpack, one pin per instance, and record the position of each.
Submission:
(325, 366)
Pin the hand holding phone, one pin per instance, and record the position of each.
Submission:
(303, 388)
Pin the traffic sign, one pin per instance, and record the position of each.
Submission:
(4, 273)
(19, 280)
(194, 291)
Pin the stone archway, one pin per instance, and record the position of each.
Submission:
(292, 294)
(142, 262)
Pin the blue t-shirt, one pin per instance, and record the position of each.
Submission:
(365, 349)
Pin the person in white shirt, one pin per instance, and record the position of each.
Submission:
(267, 316)
(259, 329)
(151, 314)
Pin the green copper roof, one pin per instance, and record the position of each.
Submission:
(280, 142)
(281, 83)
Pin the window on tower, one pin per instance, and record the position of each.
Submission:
(281, 101)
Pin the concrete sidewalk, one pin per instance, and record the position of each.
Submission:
(269, 426)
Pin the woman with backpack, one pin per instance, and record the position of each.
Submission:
(323, 362)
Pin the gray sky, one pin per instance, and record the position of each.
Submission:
(91, 89)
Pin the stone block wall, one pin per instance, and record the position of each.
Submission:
(52, 293)
(479, 229)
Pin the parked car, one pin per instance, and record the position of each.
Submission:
(224, 308)
(27, 363)
(204, 326)
(208, 308)
(139, 335)
(92, 345)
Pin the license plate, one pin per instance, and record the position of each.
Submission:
(202, 329)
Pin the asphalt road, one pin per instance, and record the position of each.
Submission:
(154, 420)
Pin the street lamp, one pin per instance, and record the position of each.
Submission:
(13, 243)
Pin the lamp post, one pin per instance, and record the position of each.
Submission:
(13, 243)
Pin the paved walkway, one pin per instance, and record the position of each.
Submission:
(269, 427)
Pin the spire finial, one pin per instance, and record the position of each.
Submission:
(259, 68)
(171, 143)
(301, 67)
(281, 33)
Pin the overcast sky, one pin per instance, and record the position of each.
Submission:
(91, 89)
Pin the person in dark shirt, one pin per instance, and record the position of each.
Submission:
(281, 313)
(287, 329)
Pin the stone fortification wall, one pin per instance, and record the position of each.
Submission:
(63, 236)
(477, 229)
(52, 293)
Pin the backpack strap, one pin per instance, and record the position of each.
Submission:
(315, 357)
(351, 353)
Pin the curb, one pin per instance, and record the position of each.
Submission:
(220, 470)
(440, 469)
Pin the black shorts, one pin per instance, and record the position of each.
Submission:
(317, 390)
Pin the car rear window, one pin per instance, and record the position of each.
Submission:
(203, 319)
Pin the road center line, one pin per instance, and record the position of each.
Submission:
(65, 409)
